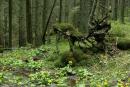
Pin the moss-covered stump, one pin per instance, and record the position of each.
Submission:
(123, 44)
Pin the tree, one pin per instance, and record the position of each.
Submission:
(29, 22)
(84, 15)
(48, 21)
(92, 13)
(22, 37)
(44, 14)
(114, 9)
(1, 27)
(60, 11)
(66, 10)
(122, 11)
(6, 39)
(75, 2)
(129, 10)
(38, 30)
(103, 7)
(10, 23)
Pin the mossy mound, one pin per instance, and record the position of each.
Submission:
(66, 57)
(123, 44)
(67, 28)
(77, 57)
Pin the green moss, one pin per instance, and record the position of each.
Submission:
(69, 28)
(123, 43)
(64, 26)
(77, 57)
(66, 57)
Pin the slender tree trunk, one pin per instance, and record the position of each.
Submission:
(67, 10)
(22, 31)
(90, 4)
(103, 8)
(75, 2)
(122, 11)
(60, 11)
(29, 22)
(91, 18)
(6, 39)
(84, 15)
(114, 9)
(48, 21)
(45, 15)
(129, 10)
(10, 23)
(38, 30)
(1, 42)
(1, 28)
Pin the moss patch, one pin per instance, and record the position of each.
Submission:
(67, 28)
(123, 44)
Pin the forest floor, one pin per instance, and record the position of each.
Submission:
(37, 67)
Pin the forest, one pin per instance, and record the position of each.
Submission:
(64, 43)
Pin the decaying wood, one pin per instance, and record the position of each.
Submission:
(98, 32)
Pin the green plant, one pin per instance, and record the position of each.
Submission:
(44, 78)
(2, 78)
(34, 65)
(67, 69)
(17, 63)
(83, 73)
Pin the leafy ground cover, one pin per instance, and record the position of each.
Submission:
(37, 67)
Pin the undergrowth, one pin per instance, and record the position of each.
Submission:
(44, 67)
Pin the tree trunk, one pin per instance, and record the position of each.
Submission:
(114, 9)
(22, 34)
(75, 3)
(67, 10)
(129, 10)
(1, 27)
(48, 21)
(122, 11)
(84, 16)
(60, 11)
(29, 22)
(6, 39)
(38, 31)
(10, 23)
(44, 14)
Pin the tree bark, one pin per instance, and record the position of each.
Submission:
(48, 21)
(29, 22)
(67, 10)
(44, 14)
(6, 39)
(114, 9)
(122, 11)
(22, 31)
(60, 11)
(38, 31)
(84, 16)
(10, 23)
